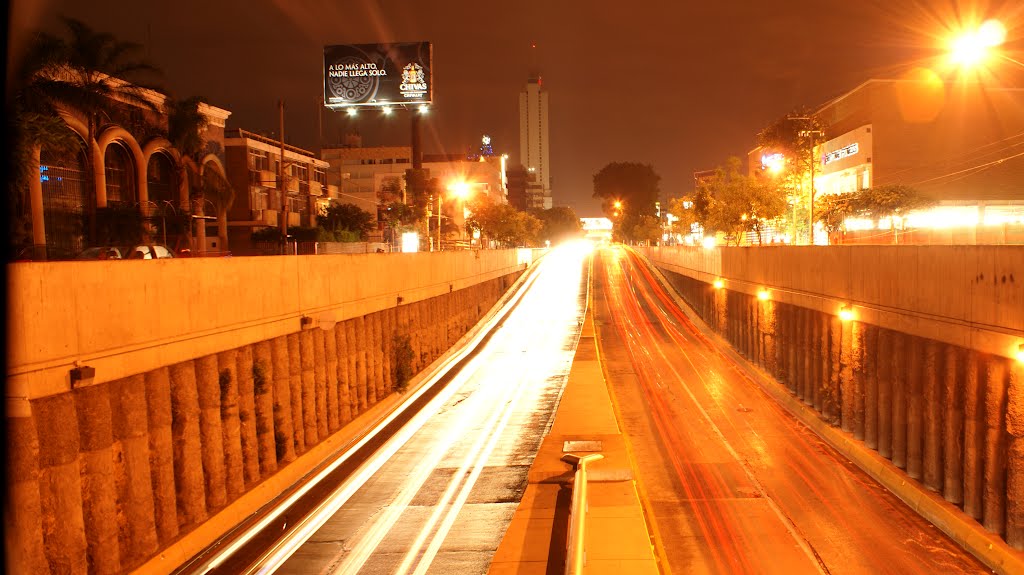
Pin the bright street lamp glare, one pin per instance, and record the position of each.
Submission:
(970, 49)
(992, 33)
(460, 189)
(618, 204)
(709, 242)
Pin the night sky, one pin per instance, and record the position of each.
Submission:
(680, 85)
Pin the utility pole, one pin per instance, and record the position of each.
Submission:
(812, 191)
(282, 185)
(813, 135)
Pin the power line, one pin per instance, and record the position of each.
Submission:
(974, 168)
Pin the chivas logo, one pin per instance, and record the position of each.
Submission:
(414, 81)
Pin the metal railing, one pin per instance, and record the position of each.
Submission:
(575, 552)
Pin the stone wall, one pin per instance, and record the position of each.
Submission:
(107, 474)
(924, 371)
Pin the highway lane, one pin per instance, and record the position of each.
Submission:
(438, 497)
(733, 483)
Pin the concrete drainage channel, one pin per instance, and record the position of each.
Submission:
(254, 545)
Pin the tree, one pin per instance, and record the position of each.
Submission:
(399, 216)
(876, 204)
(92, 73)
(343, 219)
(186, 125)
(684, 210)
(832, 210)
(795, 136)
(635, 186)
(734, 203)
(558, 224)
(216, 188)
(648, 229)
(891, 200)
(503, 223)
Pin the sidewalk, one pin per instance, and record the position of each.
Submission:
(617, 540)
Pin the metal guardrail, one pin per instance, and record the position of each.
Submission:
(576, 555)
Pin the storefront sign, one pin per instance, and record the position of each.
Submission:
(840, 154)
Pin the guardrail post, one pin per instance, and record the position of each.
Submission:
(575, 555)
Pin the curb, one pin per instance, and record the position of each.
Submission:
(964, 530)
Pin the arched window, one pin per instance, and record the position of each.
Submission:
(120, 175)
(67, 200)
(161, 180)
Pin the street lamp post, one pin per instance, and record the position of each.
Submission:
(460, 190)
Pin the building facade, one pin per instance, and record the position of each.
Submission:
(524, 192)
(534, 141)
(252, 165)
(127, 168)
(958, 144)
(368, 177)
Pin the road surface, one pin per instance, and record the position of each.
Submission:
(734, 484)
(442, 495)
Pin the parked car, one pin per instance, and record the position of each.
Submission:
(139, 252)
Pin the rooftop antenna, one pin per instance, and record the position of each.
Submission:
(534, 65)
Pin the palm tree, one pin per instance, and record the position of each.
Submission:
(186, 125)
(218, 190)
(83, 77)
(90, 75)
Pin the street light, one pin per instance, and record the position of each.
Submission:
(459, 189)
(971, 49)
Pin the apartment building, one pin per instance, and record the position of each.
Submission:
(252, 164)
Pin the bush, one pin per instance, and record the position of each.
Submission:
(402, 345)
(266, 235)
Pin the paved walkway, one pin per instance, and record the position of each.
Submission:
(617, 539)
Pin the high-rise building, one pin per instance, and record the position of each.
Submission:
(534, 143)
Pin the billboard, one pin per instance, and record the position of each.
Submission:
(377, 74)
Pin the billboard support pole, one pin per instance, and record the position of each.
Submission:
(417, 146)
(417, 162)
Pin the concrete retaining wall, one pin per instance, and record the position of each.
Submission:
(106, 474)
(128, 317)
(925, 372)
